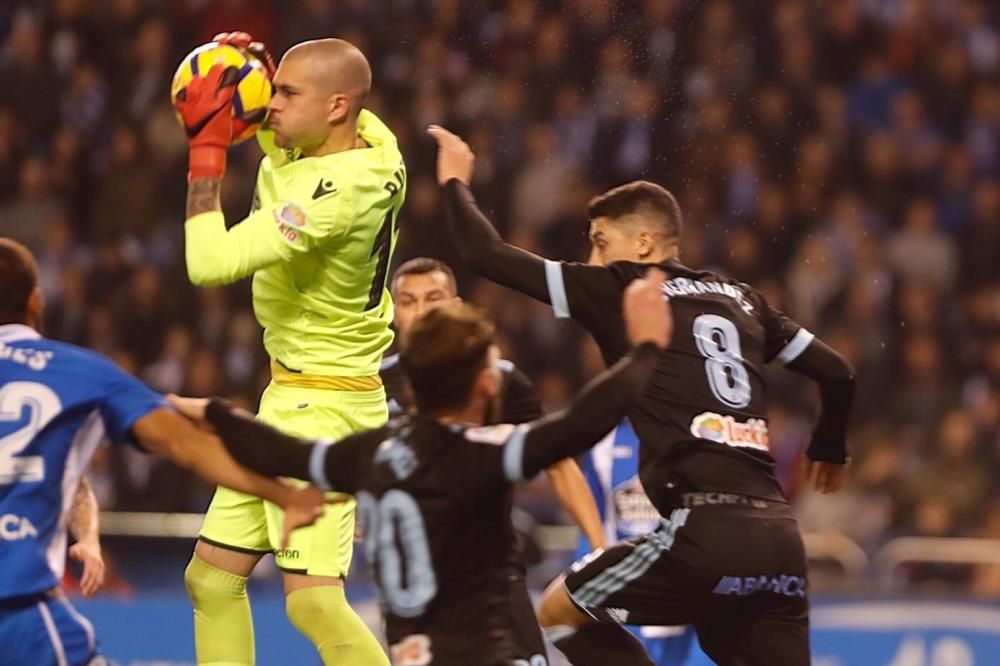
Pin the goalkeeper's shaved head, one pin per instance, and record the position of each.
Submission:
(338, 66)
(320, 89)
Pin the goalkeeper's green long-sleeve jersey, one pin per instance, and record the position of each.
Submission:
(318, 242)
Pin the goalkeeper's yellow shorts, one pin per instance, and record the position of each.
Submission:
(246, 523)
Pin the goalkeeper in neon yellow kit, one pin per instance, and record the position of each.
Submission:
(318, 243)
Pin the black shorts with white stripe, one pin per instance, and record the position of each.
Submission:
(736, 571)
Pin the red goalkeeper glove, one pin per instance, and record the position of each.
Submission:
(205, 106)
(243, 40)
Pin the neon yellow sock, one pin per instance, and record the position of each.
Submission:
(342, 639)
(223, 627)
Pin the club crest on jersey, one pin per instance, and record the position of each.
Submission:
(727, 430)
(414, 650)
(289, 219)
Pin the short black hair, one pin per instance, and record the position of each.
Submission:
(639, 196)
(18, 279)
(443, 352)
(423, 266)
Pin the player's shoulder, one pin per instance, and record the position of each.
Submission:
(25, 347)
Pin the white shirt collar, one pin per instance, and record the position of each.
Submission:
(17, 332)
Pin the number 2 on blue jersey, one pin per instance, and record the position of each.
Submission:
(42, 405)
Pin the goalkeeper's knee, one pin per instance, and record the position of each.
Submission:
(223, 626)
(323, 615)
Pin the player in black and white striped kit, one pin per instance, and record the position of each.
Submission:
(727, 557)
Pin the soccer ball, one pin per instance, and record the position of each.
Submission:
(253, 86)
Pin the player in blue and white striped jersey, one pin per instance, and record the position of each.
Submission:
(58, 403)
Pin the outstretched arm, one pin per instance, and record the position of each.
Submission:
(269, 451)
(604, 401)
(481, 246)
(477, 240)
(574, 494)
(167, 433)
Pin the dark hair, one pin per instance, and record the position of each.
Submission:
(423, 266)
(18, 279)
(639, 196)
(443, 352)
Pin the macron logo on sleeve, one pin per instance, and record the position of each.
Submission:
(324, 188)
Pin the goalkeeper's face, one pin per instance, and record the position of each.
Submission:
(300, 109)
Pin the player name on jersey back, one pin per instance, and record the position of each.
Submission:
(33, 359)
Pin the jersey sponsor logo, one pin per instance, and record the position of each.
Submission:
(496, 435)
(15, 528)
(289, 219)
(414, 650)
(324, 188)
(681, 286)
(33, 359)
(742, 586)
(727, 430)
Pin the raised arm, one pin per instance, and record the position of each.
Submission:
(604, 401)
(477, 240)
(167, 433)
(213, 254)
(269, 451)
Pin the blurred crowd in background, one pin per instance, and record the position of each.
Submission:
(842, 155)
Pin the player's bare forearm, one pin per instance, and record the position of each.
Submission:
(481, 246)
(574, 494)
(84, 520)
(204, 196)
(167, 433)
